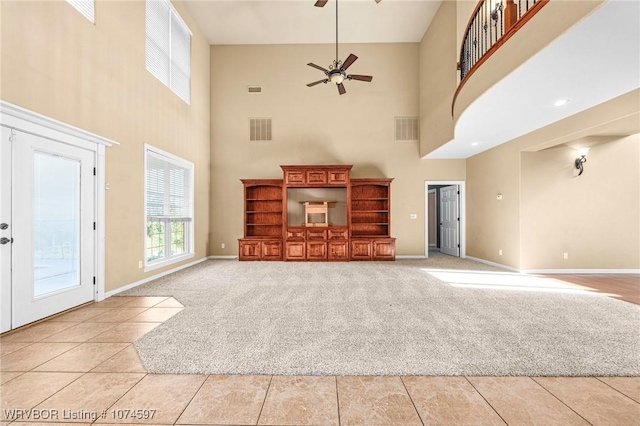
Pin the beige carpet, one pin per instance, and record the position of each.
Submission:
(427, 317)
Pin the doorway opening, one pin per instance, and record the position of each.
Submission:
(445, 223)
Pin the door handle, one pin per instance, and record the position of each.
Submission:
(4, 240)
(3, 226)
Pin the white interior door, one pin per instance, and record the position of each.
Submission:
(53, 214)
(5, 230)
(449, 221)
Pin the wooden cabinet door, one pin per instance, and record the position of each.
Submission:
(294, 177)
(384, 250)
(316, 250)
(338, 177)
(295, 250)
(272, 250)
(295, 234)
(316, 177)
(360, 250)
(337, 233)
(338, 250)
(316, 234)
(250, 250)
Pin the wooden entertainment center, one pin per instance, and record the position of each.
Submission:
(351, 222)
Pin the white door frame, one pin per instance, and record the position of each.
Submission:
(462, 208)
(18, 118)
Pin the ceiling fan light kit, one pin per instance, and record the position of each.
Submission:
(337, 72)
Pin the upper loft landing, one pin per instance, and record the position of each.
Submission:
(517, 62)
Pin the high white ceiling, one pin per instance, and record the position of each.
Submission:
(298, 21)
(595, 61)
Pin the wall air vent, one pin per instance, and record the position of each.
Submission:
(407, 129)
(260, 130)
(254, 89)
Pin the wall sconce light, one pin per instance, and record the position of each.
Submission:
(581, 159)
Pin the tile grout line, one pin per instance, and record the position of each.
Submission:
(337, 399)
(615, 389)
(411, 399)
(264, 400)
(192, 398)
(123, 395)
(563, 403)
(24, 347)
(485, 400)
(126, 347)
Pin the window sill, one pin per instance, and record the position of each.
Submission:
(171, 261)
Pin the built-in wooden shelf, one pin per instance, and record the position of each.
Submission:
(366, 235)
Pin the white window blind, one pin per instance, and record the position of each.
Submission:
(85, 7)
(169, 207)
(168, 47)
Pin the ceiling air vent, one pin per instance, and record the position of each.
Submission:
(259, 129)
(254, 89)
(407, 129)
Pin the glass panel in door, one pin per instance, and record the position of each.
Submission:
(56, 221)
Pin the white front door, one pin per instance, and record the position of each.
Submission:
(52, 254)
(449, 221)
(5, 230)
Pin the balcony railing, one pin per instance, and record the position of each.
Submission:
(491, 24)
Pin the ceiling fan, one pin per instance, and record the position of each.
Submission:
(337, 72)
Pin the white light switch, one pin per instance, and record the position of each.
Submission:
(413, 216)
(499, 197)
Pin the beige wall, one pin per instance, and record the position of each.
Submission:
(94, 77)
(438, 78)
(317, 126)
(492, 224)
(511, 224)
(594, 218)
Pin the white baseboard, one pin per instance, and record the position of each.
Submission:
(222, 257)
(581, 271)
(411, 256)
(497, 265)
(151, 278)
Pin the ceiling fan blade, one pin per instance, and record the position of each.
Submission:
(318, 82)
(350, 60)
(360, 77)
(321, 3)
(341, 89)
(318, 67)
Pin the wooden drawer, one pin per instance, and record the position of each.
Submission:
(250, 250)
(272, 250)
(337, 233)
(384, 249)
(338, 177)
(360, 250)
(316, 234)
(295, 233)
(316, 177)
(294, 177)
(316, 250)
(338, 250)
(295, 250)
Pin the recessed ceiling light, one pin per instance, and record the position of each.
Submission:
(561, 102)
(474, 144)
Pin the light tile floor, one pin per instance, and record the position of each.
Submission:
(81, 368)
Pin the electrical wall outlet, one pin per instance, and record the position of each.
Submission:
(500, 252)
(566, 256)
(140, 264)
(413, 216)
(222, 245)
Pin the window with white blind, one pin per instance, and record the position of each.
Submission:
(168, 208)
(85, 7)
(168, 47)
